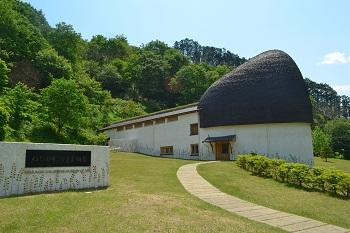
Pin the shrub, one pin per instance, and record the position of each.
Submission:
(274, 165)
(242, 161)
(315, 179)
(298, 173)
(332, 178)
(259, 165)
(283, 172)
(338, 155)
(322, 179)
(344, 185)
(250, 163)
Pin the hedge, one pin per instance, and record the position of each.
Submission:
(328, 180)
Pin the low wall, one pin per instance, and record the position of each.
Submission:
(42, 167)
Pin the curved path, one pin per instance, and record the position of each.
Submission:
(199, 187)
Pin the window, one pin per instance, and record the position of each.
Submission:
(138, 125)
(172, 118)
(160, 121)
(129, 127)
(148, 123)
(120, 128)
(225, 148)
(194, 129)
(166, 150)
(194, 149)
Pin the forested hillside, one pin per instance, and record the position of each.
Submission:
(57, 87)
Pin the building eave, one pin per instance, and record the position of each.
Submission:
(180, 110)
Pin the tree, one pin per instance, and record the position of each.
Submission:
(102, 50)
(3, 75)
(339, 130)
(157, 47)
(101, 103)
(208, 54)
(65, 104)
(19, 39)
(111, 80)
(321, 143)
(191, 81)
(149, 71)
(22, 107)
(4, 118)
(67, 42)
(127, 108)
(36, 17)
(190, 48)
(52, 65)
(326, 100)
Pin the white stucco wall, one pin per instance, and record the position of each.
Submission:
(289, 141)
(149, 139)
(16, 179)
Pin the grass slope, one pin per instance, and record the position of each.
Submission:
(340, 164)
(267, 192)
(144, 196)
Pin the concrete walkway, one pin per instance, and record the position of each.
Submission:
(199, 187)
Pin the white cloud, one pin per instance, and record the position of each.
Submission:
(342, 89)
(335, 58)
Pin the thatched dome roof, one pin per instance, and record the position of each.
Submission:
(268, 88)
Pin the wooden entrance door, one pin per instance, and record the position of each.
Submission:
(222, 150)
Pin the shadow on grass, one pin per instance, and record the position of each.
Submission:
(302, 187)
(167, 157)
(55, 192)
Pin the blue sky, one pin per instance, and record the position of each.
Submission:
(315, 33)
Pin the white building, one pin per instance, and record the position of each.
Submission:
(262, 107)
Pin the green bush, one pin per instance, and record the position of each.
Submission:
(320, 179)
(344, 185)
(258, 165)
(315, 179)
(283, 172)
(261, 166)
(298, 173)
(242, 161)
(274, 166)
(4, 119)
(332, 177)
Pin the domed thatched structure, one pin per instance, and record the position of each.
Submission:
(261, 107)
(268, 88)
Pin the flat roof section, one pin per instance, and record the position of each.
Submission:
(155, 115)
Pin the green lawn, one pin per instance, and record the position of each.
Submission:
(340, 164)
(229, 178)
(144, 196)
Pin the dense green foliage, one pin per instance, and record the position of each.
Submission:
(327, 103)
(208, 54)
(3, 75)
(22, 105)
(4, 118)
(339, 131)
(331, 120)
(321, 143)
(113, 80)
(57, 87)
(330, 180)
(65, 104)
